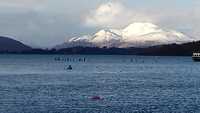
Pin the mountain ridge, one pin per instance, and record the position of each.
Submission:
(134, 35)
(185, 49)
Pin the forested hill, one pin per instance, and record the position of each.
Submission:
(11, 45)
(163, 50)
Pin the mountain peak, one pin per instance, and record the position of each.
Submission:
(134, 35)
(106, 37)
(142, 25)
(138, 29)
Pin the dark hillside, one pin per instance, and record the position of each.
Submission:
(10, 45)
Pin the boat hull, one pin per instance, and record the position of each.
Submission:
(196, 59)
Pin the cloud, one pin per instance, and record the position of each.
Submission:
(20, 3)
(46, 22)
(113, 14)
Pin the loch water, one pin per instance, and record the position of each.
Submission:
(99, 84)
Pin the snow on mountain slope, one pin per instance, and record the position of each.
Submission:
(147, 34)
(138, 29)
(109, 38)
(134, 35)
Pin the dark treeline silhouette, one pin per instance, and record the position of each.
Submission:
(172, 49)
(162, 50)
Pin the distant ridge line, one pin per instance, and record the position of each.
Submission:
(11, 46)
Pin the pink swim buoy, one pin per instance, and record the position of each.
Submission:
(96, 98)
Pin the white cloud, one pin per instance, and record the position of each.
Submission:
(114, 14)
(72, 17)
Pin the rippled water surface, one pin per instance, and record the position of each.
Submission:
(123, 84)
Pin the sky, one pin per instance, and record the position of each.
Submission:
(45, 23)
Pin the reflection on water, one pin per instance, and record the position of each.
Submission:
(100, 84)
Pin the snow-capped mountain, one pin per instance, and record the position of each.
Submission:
(134, 35)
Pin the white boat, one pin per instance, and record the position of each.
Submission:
(196, 57)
